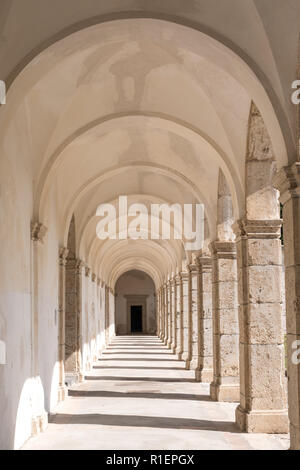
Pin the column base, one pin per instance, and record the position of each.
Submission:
(169, 344)
(81, 377)
(62, 393)
(225, 392)
(295, 437)
(39, 424)
(204, 375)
(186, 358)
(72, 378)
(262, 421)
(194, 364)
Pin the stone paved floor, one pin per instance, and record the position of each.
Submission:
(138, 396)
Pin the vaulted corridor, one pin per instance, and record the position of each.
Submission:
(150, 186)
(138, 396)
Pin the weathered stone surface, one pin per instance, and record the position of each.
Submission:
(225, 385)
(263, 391)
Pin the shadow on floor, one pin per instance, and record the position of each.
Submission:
(160, 396)
(139, 379)
(138, 367)
(161, 353)
(137, 359)
(145, 422)
(136, 348)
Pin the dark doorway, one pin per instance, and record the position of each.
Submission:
(136, 319)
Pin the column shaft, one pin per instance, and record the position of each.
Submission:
(225, 385)
(174, 316)
(195, 317)
(288, 182)
(170, 315)
(62, 389)
(179, 317)
(263, 397)
(205, 372)
(186, 318)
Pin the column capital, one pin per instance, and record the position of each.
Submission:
(87, 271)
(184, 275)
(94, 277)
(287, 181)
(172, 282)
(177, 279)
(63, 253)
(257, 228)
(204, 261)
(193, 268)
(38, 232)
(223, 249)
(79, 266)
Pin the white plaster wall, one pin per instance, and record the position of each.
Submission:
(134, 283)
(15, 284)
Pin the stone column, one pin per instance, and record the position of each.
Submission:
(99, 346)
(71, 313)
(62, 389)
(263, 397)
(38, 232)
(86, 316)
(79, 282)
(186, 319)
(106, 318)
(179, 317)
(174, 316)
(39, 417)
(94, 318)
(112, 326)
(157, 303)
(162, 313)
(225, 385)
(166, 319)
(102, 315)
(288, 182)
(205, 372)
(195, 317)
(170, 316)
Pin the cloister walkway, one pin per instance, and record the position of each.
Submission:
(138, 396)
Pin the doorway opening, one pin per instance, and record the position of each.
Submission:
(136, 313)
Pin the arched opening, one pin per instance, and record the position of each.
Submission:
(135, 305)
